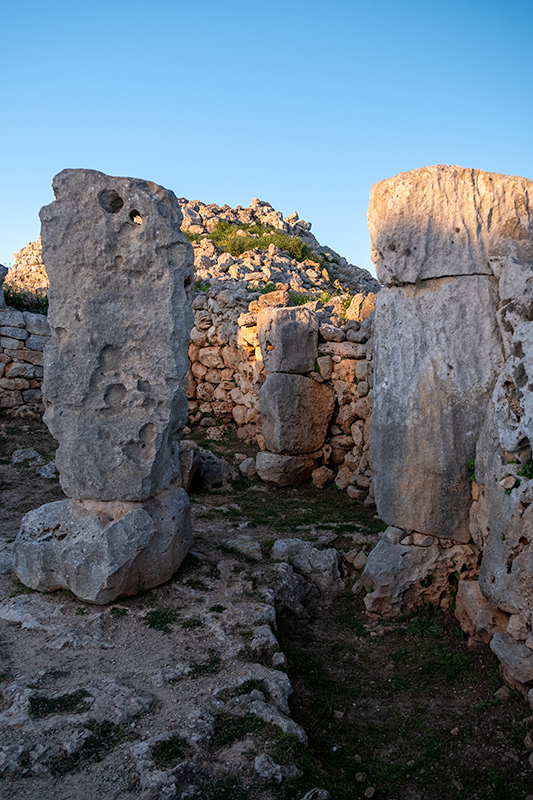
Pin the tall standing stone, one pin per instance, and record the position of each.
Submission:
(441, 237)
(121, 280)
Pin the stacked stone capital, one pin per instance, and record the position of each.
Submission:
(121, 282)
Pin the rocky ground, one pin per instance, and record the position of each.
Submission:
(253, 673)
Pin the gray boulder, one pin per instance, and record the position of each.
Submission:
(102, 551)
(284, 470)
(321, 567)
(516, 658)
(212, 472)
(400, 578)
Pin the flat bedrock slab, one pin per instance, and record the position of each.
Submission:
(101, 550)
(437, 355)
(121, 280)
(284, 470)
(295, 412)
(288, 339)
(447, 220)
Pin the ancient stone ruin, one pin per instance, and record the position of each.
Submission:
(121, 282)
(281, 351)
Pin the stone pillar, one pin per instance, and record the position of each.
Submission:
(437, 236)
(453, 389)
(295, 409)
(121, 282)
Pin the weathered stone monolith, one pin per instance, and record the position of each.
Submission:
(439, 235)
(121, 280)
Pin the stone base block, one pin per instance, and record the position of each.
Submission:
(284, 470)
(103, 550)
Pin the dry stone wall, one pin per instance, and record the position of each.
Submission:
(23, 336)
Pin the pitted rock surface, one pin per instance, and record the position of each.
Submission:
(121, 275)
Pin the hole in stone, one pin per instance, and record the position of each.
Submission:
(188, 281)
(110, 201)
(115, 394)
(136, 217)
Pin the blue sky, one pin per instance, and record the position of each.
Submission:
(303, 104)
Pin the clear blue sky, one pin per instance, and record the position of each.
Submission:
(303, 104)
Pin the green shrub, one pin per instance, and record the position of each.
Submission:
(226, 237)
(168, 752)
(26, 301)
(527, 471)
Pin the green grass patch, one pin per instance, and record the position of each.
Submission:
(169, 752)
(232, 729)
(72, 703)
(191, 624)
(228, 788)
(226, 237)
(105, 736)
(118, 612)
(208, 667)
(37, 303)
(160, 619)
(527, 470)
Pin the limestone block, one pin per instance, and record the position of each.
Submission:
(284, 470)
(35, 342)
(438, 352)
(517, 659)
(322, 476)
(321, 567)
(446, 220)
(36, 323)
(288, 339)
(12, 317)
(14, 333)
(343, 349)
(101, 550)
(361, 306)
(505, 572)
(121, 282)
(401, 578)
(475, 614)
(296, 411)
(30, 356)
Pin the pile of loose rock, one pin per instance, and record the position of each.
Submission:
(28, 273)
